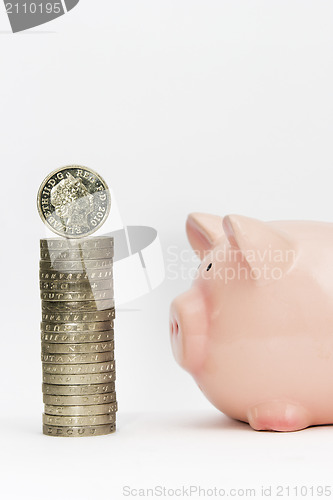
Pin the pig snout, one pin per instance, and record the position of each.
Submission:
(188, 330)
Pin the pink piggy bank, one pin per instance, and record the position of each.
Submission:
(256, 328)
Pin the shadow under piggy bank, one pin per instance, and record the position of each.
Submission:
(29, 14)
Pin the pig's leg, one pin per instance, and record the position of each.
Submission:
(278, 416)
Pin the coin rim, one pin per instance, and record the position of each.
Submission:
(81, 321)
(82, 365)
(78, 345)
(105, 328)
(110, 415)
(65, 280)
(110, 376)
(60, 258)
(74, 402)
(96, 285)
(64, 238)
(74, 408)
(76, 353)
(75, 387)
(82, 265)
(57, 305)
(78, 427)
(93, 295)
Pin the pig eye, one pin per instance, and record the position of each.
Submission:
(209, 266)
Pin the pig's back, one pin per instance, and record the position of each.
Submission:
(314, 249)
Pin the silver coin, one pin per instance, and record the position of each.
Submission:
(84, 244)
(77, 276)
(89, 399)
(79, 286)
(76, 327)
(78, 390)
(77, 306)
(79, 317)
(77, 265)
(82, 368)
(96, 430)
(74, 201)
(78, 337)
(87, 379)
(81, 420)
(88, 348)
(95, 295)
(79, 254)
(78, 358)
(81, 410)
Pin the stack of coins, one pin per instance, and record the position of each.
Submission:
(77, 334)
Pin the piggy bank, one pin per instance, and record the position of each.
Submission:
(255, 330)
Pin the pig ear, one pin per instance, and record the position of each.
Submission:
(203, 231)
(269, 252)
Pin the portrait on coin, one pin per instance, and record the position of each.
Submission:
(72, 202)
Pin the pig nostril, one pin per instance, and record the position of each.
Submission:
(174, 328)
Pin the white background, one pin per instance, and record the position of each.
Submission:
(182, 105)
